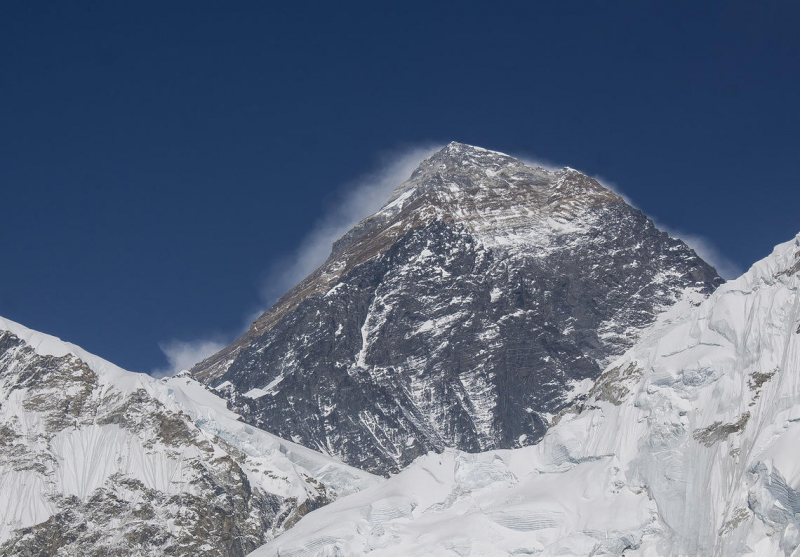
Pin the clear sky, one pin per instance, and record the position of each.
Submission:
(161, 163)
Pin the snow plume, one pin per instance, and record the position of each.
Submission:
(356, 201)
(183, 355)
(702, 246)
(727, 268)
(608, 184)
(530, 160)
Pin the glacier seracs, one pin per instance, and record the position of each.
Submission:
(687, 445)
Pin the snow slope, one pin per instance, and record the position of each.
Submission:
(689, 444)
(95, 458)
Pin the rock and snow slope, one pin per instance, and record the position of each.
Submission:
(688, 445)
(463, 314)
(96, 460)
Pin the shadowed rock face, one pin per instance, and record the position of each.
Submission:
(462, 314)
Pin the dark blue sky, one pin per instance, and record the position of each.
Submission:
(157, 159)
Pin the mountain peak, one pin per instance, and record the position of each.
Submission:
(496, 197)
(456, 316)
(456, 156)
(470, 184)
(454, 149)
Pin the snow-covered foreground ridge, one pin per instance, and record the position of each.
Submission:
(97, 459)
(689, 444)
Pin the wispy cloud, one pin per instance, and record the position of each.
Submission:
(726, 267)
(183, 355)
(613, 186)
(356, 201)
(531, 160)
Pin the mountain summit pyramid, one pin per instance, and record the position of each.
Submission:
(477, 303)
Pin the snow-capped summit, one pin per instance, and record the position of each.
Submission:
(96, 460)
(480, 166)
(687, 445)
(496, 197)
(465, 313)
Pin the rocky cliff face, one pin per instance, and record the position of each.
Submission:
(466, 313)
(95, 460)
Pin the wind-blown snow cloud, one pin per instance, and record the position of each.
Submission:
(357, 201)
(536, 161)
(183, 355)
(727, 268)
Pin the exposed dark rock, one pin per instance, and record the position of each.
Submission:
(719, 431)
(613, 385)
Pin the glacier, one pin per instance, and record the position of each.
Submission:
(687, 445)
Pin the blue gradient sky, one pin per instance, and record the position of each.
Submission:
(161, 164)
